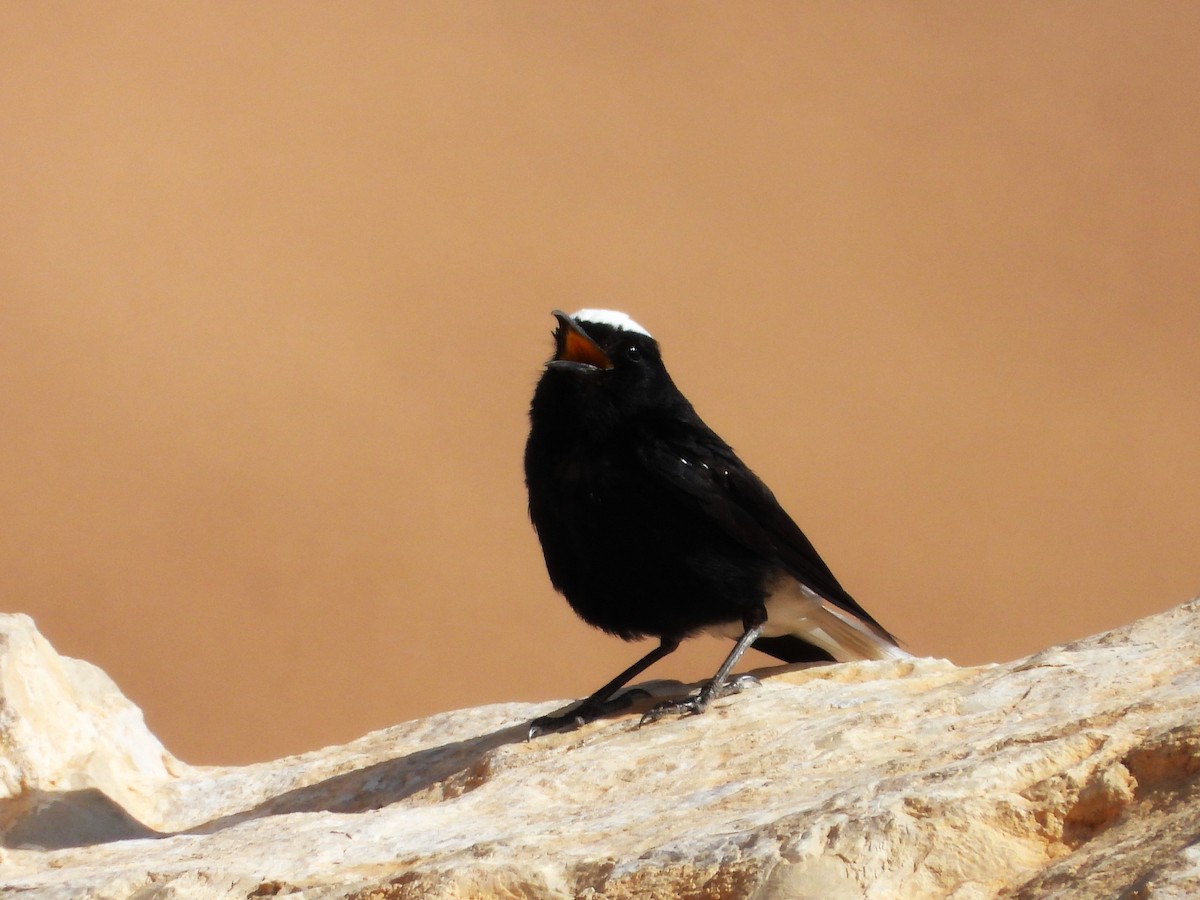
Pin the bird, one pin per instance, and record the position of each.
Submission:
(651, 526)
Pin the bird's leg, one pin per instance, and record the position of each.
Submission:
(603, 701)
(719, 685)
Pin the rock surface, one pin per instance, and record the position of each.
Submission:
(1073, 773)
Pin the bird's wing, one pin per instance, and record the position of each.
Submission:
(705, 474)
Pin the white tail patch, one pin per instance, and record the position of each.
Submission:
(794, 609)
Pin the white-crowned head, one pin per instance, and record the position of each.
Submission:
(611, 317)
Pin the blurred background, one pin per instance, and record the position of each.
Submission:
(276, 281)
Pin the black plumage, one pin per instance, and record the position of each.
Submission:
(652, 526)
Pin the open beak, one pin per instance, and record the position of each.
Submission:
(574, 346)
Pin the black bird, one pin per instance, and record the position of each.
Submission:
(653, 527)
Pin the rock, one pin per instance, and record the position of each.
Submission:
(1075, 772)
(76, 754)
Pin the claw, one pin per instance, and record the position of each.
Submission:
(693, 706)
(564, 722)
(736, 685)
(688, 706)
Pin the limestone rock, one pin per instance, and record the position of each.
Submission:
(72, 745)
(1073, 773)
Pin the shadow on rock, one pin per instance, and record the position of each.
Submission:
(380, 784)
(57, 820)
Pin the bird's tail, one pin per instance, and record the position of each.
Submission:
(852, 638)
(796, 614)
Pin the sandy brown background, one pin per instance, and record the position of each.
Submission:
(275, 282)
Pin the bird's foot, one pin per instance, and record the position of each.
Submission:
(737, 684)
(687, 706)
(693, 706)
(587, 711)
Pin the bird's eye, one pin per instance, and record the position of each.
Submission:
(633, 353)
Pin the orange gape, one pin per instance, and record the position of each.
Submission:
(577, 348)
